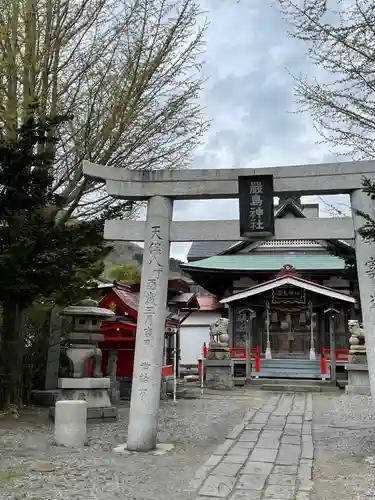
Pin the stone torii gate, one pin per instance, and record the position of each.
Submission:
(160, 188)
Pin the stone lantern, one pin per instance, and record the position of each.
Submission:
(84, 339)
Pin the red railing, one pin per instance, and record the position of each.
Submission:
(167, 371)
(341, 356)
(240, 353)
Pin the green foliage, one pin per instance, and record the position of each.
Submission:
(350, 272)
(40, 260)
(367, 231)
(127, 273)
(174, 265)
(39, 257)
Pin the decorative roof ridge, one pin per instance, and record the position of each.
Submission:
(122, 286)
(282, 277)
(267, 285)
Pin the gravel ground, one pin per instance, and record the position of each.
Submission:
(344, 439)
(32, 468)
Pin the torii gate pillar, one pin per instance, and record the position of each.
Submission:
(364, 252)
(145, 396)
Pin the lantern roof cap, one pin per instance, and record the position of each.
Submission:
(89, 308)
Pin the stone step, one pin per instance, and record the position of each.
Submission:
(286, 381)
(290, 388)
(342, 383)
(297, 388)
(289, 368)
(287, 374)
(289, 363)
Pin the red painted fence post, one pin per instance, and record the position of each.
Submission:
(323, 364)
(204, 350)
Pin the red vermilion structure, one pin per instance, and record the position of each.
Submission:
(120, 335)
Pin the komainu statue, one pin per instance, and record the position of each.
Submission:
(357, 350)
(218, 346)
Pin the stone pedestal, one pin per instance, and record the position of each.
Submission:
(218, 351)
(219, 374)
(70, 423)
(358, 379)
(95, 391)
(357, 368)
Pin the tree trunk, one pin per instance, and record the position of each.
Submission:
(12, 350)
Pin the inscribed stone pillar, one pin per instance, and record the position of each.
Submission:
(364, 252)
(231, 325)
(112, 365)
(145, 396)
(114, 390)
(53, 356)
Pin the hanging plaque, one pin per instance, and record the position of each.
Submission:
(256, 206)
(288, 295)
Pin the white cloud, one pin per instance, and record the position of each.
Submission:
(250, 98)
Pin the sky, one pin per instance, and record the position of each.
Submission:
(250, 99)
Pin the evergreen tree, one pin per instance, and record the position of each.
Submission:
(37, 256)
(127, 273)
(367, 231)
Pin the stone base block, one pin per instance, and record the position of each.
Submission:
(45, 398)
(219, 374)
(114, 393)
(358, 379)
(167, 384)
(70, 423)
(160, 449)
(95, 391)
(84, 383)
(94, 414)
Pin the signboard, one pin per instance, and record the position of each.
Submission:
(290, 295)
(256, 206)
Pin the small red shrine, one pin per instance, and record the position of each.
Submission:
(120, 334)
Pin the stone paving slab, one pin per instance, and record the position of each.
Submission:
(234, 459)
(261, 468)
(241, 448)
(251, 482)
(263, 455)
(268, 456)
(218, 486)
(246, 495)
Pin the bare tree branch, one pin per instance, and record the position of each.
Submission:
(128, 70)
(339, 36)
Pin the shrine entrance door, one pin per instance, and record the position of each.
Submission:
(290, 332)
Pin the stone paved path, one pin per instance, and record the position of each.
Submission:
(268, 456)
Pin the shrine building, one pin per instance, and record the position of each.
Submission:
(120, 333)
(278, 294)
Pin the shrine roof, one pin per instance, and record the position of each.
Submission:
(185, 301)
(209, 303)
(270, 262)
(289, 280)
(129, 298)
